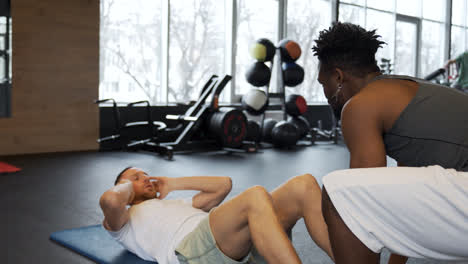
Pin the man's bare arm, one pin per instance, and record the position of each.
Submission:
(362, 132)
(212, 189)
(397, 259)
(114, 205)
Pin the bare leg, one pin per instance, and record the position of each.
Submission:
(347, 248)
(251, 218)
(300, 197)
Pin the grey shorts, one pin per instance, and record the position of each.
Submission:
(199, 247)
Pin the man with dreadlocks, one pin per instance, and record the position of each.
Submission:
(418, 209)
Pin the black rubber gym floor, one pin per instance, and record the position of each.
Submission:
(61, 190)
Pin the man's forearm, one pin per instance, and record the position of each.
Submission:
(113, 203)
(200, 183)
(213, 190)
(119, 195)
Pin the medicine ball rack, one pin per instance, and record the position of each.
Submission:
(289, 74)
(203, 127)
(259, 74)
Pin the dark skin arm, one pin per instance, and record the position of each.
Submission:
(397, 259)
(362, 132)
(362, 128)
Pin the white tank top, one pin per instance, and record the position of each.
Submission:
(156, 227)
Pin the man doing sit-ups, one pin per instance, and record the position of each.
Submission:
(200, 230)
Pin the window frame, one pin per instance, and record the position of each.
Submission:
(6, 78)
(417, 22)
(230, 10)
(447, 25)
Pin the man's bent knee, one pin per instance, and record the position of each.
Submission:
(258, 192)
(258, 196)
(304, 184)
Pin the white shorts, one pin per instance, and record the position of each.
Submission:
(415, 212)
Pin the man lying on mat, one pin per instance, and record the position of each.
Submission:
(417, 211)
(200, 230)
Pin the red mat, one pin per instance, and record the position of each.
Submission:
(7, 168)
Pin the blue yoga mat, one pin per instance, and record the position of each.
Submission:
(95, 243)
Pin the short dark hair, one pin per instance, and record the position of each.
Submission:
(349, 47)
(120, 174)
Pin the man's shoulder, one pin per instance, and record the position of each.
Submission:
(364, 102)
(367, 109)
(383, 94)
(359, 109)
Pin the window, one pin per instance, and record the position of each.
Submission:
(458, 6)
(196, 46)
(381, 5)
(384, 22)
(352, 14)
(357, 2)
(409, 8)
(164, 51)
(432, 47)
(303, 26)
(413, 30)
(130, 50)
(255, 20)
(434, 10)
(406, 46)
(379, 17)
(459, 36)
(5, 60)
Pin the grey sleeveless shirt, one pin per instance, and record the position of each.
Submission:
(432, 129)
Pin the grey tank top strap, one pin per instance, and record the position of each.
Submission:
(432, 129)
(398, 77)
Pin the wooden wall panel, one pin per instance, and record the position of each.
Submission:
(55, 77)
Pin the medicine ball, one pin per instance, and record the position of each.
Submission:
(302, 125)
(268, 125)
(295, 105)
(258, 74)
(255, 102)
(284, 134)
(290, 51)
(263, 50)
(293, 74)
(253, 131)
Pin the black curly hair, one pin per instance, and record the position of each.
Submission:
(348, 47)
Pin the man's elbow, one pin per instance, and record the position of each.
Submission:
(109, 200)
(224, 190)
(227, 184)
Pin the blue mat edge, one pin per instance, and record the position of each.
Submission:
(120, 255)
(54, 237)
